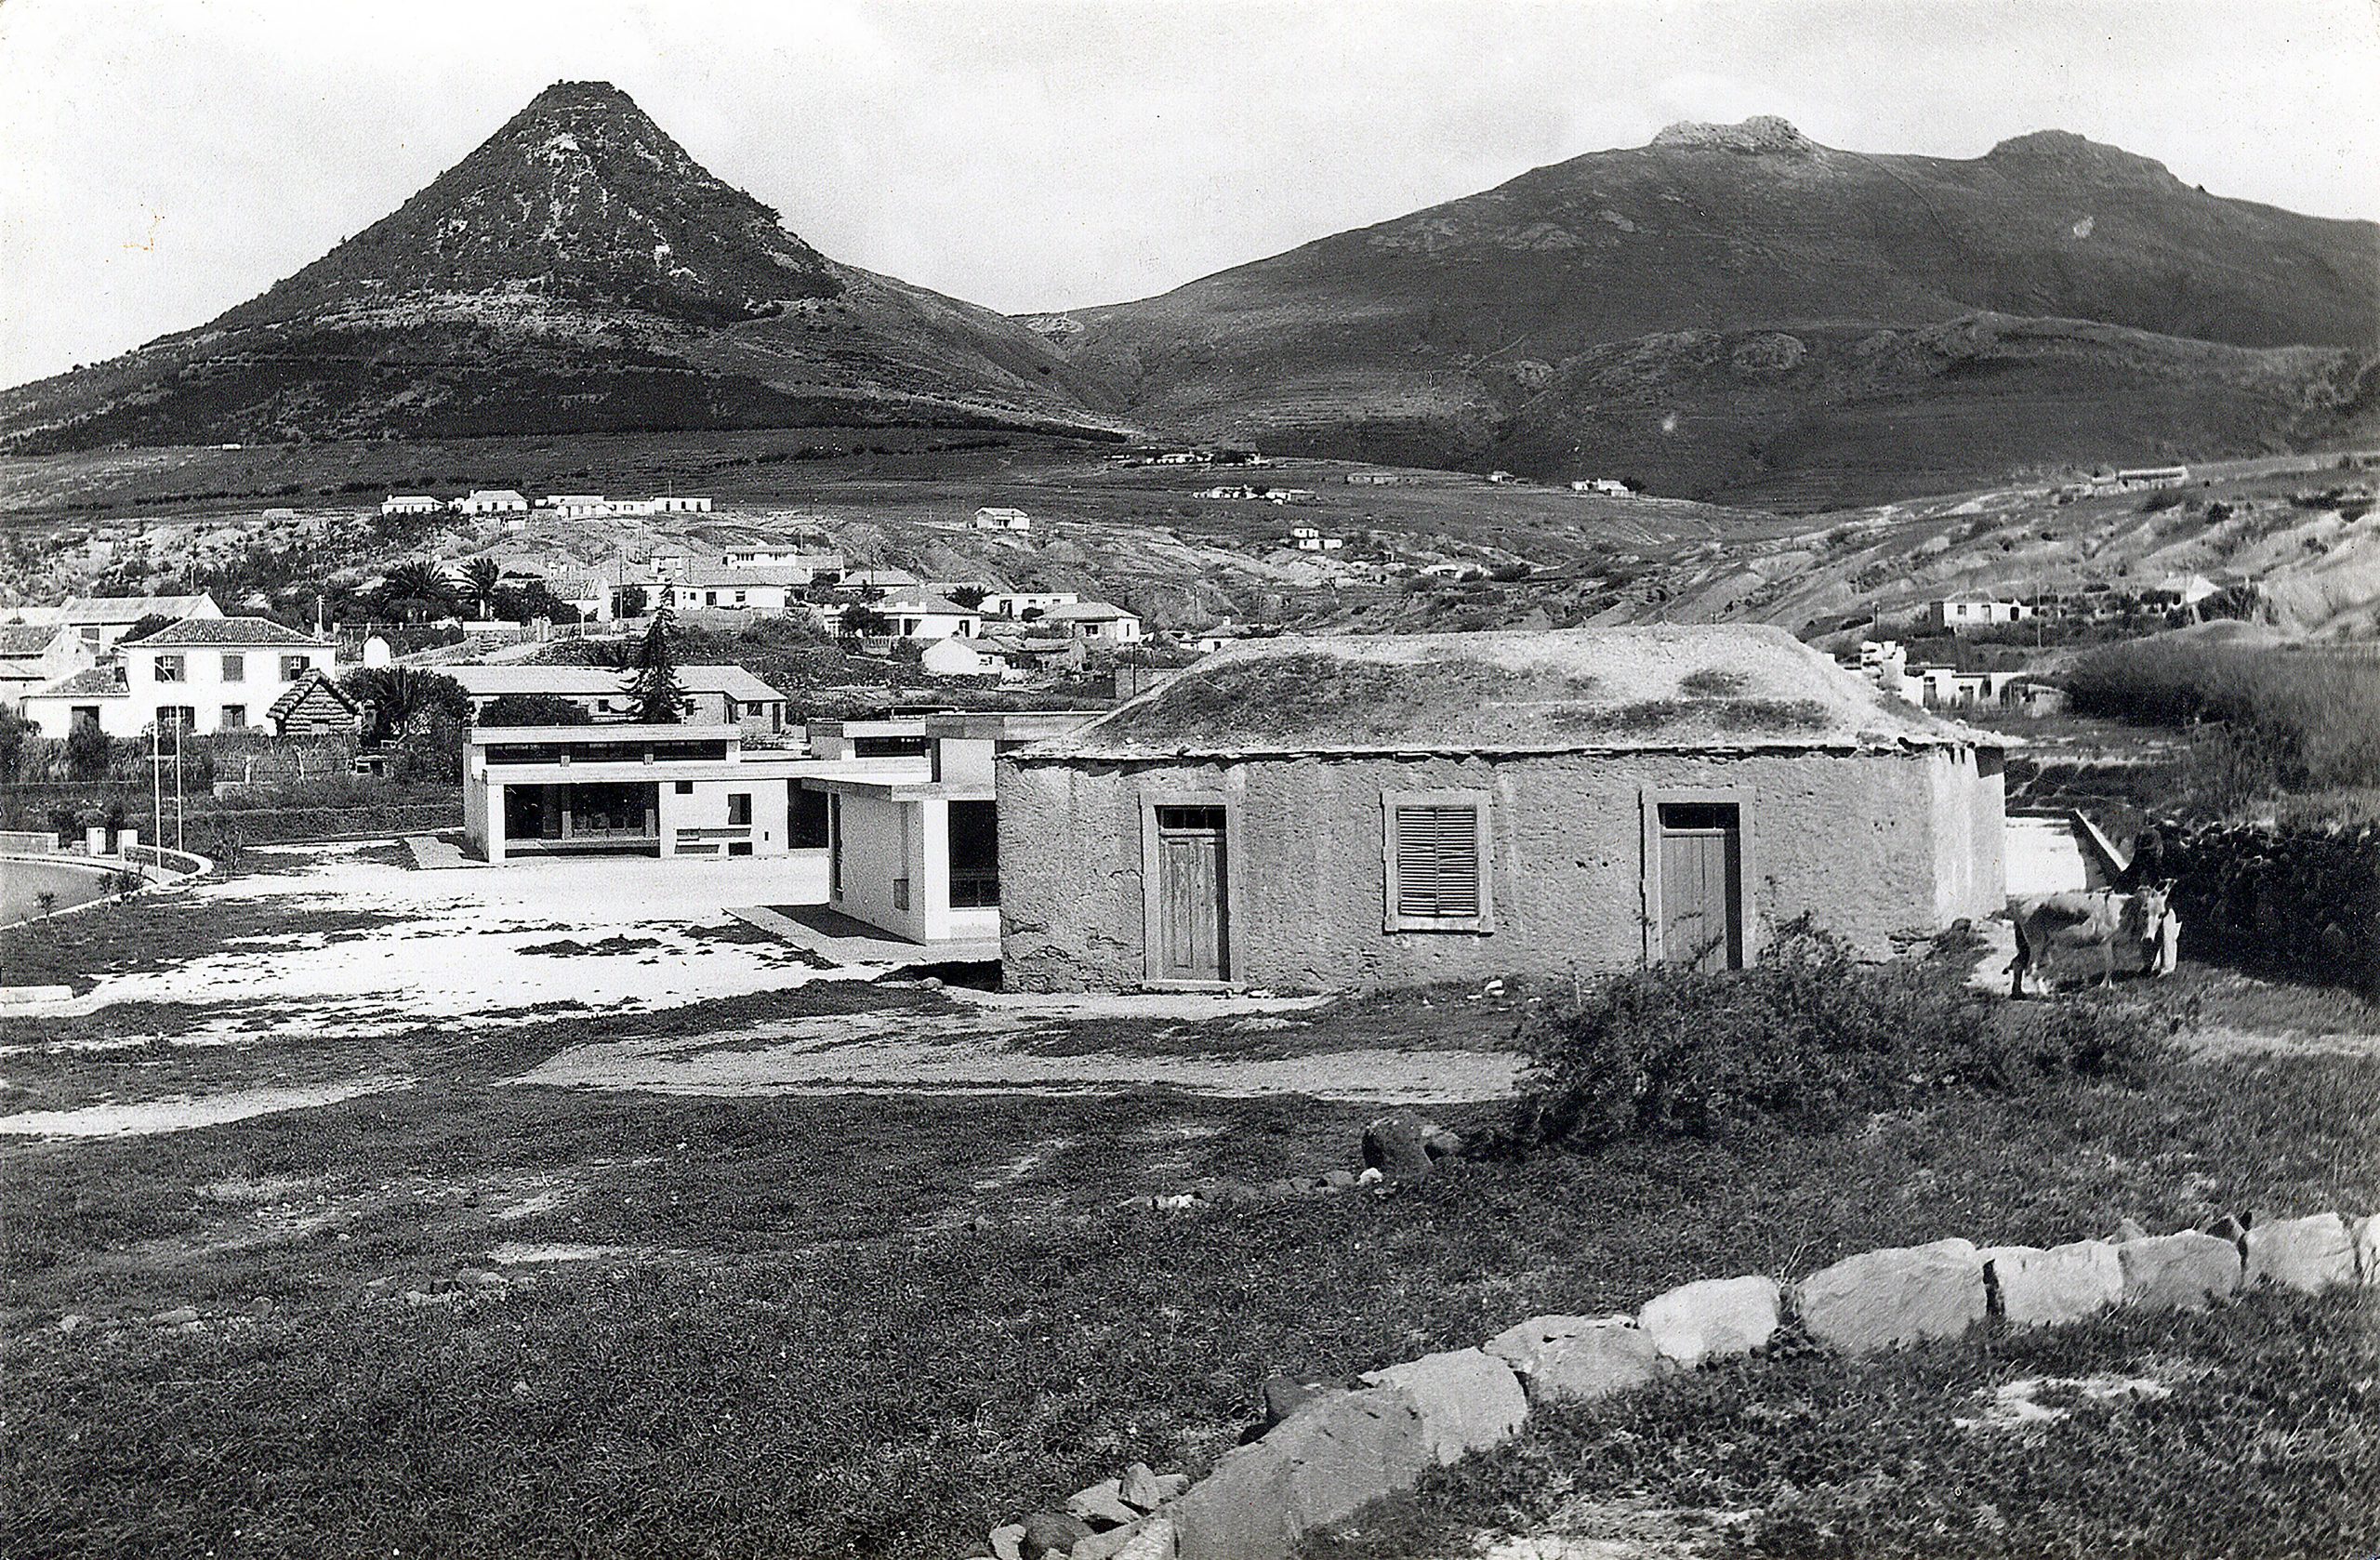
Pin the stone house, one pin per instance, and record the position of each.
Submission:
(1322, 813)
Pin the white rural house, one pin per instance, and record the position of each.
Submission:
(716, 694)
(919, 613)
(411, 504)
(770, 592)
(204, 674)
(1974, 611)
(1095, 622)
(99, 621)
(960, 656)
(1021, 603)
(34, 654)
(490, 501)
(1609, 487)
(997, 519)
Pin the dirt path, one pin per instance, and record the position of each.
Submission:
(978, 1050)
(183, 1112)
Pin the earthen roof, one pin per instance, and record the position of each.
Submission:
(1724, 688)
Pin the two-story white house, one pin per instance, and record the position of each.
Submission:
(919, 613)
(202, 674)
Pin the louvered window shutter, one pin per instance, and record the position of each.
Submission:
(1438, 860)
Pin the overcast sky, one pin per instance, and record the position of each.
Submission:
(162, 160)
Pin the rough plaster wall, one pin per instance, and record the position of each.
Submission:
(1969, 814)
(1854, 841)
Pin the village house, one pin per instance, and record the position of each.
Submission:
(818, 558)
(1026, 604)
(1000, 519)
(716, 694)
(204, 674)
(961, 657)
(678, 504)
(1323, 813)
(33, 654)
(411, 504)
(1609, 487)
(1382, 478)
(100, 621)
(1095, 622)
(913, 838)
(915, 613)
(770, 592)
(1974, 611)
(1308, 538)
(490, 501)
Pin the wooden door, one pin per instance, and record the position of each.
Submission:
(1703, 922)
(1191, 918)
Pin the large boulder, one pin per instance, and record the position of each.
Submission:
(1149, 1538)
(2039, 1288)
(1576, 1358)
(2309, 1254)
(1900, 1295)
(2181, 1272)
(1397, 1146)
(1331, 1460)
(1047, 1533)
(1468, 1400)
(1713, 1318)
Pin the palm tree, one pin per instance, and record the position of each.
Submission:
(416, 590)
(479, 579)
(659, 700)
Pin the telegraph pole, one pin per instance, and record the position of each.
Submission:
(156, 792)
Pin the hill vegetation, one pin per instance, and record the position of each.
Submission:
(1740, 311)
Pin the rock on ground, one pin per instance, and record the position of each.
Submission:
(2178, 1272)
(1468, 1400)
(1052, 1533)
(1713, 1318)
(2308, 1255)
(1397, 1146)
(1561, 1358)
(2039, 1288)
(1902, 1295)
(1338, 1455)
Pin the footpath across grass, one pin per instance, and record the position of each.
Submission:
(2251, 1429)
(875, 1327)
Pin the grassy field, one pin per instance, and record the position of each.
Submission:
(871, 1327)
(2251, 1430)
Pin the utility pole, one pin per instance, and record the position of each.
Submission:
(179, 810)
(156, 792)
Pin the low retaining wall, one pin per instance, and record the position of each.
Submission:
(1344, 1449)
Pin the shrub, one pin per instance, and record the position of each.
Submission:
(1805, 1038)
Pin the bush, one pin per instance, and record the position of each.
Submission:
(2314, 712)
(1805, 1037)
(2300, 903)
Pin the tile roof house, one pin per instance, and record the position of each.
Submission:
(33, 654)
(1359, 811)
(102, 620)
(204, 674)
(715, 694)
(1095, 621)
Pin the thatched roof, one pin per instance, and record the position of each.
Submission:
(1728, 688)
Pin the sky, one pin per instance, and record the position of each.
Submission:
(162, 160)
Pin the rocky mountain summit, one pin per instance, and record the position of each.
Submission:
(577, 271)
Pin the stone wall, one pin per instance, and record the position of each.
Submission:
(1336, 1449)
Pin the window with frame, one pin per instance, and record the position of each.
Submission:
(739, 807)
(235, 715)
(169, 668)
(292, 667)
(235, 666)
(1436, 853)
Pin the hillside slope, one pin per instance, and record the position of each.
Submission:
(1737, 310)
(577, 271)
